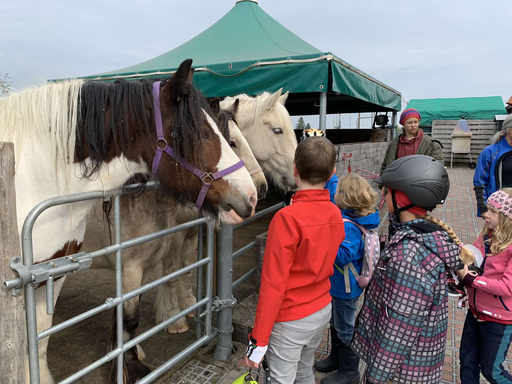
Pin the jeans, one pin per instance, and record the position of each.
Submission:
(484, 347)
(344, 318)
(292, 346)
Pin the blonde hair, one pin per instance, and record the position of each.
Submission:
(466, 256)
(354, 192)
(501, 237)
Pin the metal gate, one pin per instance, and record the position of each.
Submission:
(31, 275)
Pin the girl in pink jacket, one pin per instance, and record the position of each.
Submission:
(488, 327)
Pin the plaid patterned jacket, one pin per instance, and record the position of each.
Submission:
(401, 329)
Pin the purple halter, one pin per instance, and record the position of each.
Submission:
(206, 177)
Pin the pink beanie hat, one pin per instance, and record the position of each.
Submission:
(502, 201)
(408, 113)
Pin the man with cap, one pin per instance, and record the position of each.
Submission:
(412, 141)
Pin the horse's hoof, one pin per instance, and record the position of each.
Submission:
(140, 353)
(179, 326)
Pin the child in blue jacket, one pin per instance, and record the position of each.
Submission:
(357, 201)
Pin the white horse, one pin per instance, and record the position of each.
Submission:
(266, 124)
(75, 137)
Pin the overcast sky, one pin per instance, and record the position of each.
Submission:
(424, 49)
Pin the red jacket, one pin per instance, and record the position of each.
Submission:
(490, 295)
(302, 243)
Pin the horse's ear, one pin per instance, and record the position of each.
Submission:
(274, 99)
(177, 85)
(215, 106)
(282, 98)
(233, 108)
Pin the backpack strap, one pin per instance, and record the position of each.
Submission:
(347, 276)
(350, 265)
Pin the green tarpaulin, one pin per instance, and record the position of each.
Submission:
(468, 108)
(247, 51)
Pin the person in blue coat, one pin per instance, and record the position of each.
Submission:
(331, 185)
(357, 201)
(485, 182)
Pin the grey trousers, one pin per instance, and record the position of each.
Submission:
(292, 346)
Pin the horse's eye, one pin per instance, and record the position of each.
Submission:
(278, 131)
(207, 136)
(232, 144)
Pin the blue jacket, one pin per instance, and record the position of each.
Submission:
(331, 185)
(351, 251)
(486, 168)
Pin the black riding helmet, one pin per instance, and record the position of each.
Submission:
(423, 179)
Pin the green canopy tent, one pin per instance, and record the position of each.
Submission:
(247, 51)
(468, 108)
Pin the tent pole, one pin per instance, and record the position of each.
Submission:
(323, 110)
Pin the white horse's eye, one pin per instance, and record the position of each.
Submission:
(278, 131)
(232, 144)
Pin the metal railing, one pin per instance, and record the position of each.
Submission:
(31, 275)
(225, 284)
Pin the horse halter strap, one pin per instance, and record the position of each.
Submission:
(206, 177)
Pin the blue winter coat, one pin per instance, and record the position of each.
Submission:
(486, 168)
(351, 251)
(331, 185)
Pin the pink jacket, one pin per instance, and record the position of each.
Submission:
(491, 293)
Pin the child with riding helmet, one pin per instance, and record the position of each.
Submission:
(294, 304)
(401, 329)
(488, 327)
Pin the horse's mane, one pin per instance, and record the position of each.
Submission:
(257, 102)
(222, 120)
(108, 112)
(92, 120)
(47, 114)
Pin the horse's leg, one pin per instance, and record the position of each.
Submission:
(44, 321)
(166, 303)
(134, 369)
(188, 256)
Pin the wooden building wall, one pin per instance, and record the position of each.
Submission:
(482, 131)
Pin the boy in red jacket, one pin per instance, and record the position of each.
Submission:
(294, 304)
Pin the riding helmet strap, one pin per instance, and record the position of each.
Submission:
(395, 205)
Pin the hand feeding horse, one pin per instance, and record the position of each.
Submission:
(150, 212)
(80, 136)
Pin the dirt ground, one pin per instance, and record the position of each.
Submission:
(78, 346)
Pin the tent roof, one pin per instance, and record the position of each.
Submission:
(468, 108)
(247, 51)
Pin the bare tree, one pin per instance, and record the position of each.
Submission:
(5, 85)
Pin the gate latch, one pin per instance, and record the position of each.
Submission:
(218, 304)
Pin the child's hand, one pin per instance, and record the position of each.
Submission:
(462, 272)
(249, 363)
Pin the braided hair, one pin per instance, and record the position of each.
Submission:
(465, 254)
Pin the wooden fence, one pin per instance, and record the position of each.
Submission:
(482, 131)
(12, 319)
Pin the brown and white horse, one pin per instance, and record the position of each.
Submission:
(76, 137)
(152, 212)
